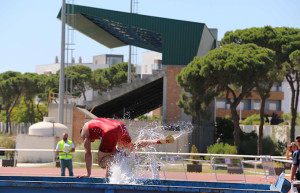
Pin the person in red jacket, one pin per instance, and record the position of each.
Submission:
(112, 133)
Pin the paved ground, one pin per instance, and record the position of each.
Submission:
(28, 171)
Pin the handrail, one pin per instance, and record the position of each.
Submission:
(163, 153)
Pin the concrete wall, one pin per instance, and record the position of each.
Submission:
(35, 142)
(278, 132)
(68, 116)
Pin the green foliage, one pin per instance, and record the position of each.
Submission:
(20, 113)
(270, 147)
(78, 77)
(8, 142)
(287, 118)
(224, 130)
(80, 156)
(105, 79)
(11, 88)
(221, 148)
(223, 71)
(285, 42)
(248, 143)
(252, 120)
(195, 157)
(148, 118)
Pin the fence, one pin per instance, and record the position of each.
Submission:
(16, 128)
(254, 163)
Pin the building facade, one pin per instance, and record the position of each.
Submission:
(99, 62)
(251, 105)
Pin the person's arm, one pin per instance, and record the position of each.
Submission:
(88, 156)
(293, 172)
(287, 154)
(144, 143)
(73, 147)
(295, 165)
(57, 148)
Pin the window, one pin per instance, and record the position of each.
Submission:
(112, 60)
(273, 105)
(276, 87)
(256, 104)
(220, 104)
(247, 104)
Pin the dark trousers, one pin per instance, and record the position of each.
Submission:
(298, 178)
(66, 163)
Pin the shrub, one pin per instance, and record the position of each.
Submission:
(270, 147)
(8, 142)
(221, 148)
(252, 120)
(248, 144)
(196, 157)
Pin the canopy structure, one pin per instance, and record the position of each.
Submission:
(178, 41)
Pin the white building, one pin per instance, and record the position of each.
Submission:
(100, 61)
(150, 61)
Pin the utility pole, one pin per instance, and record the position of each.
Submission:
(62, 65)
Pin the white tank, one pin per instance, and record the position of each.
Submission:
(48, 128)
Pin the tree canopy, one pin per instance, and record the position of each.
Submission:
(11, 87)
(284, 41)
(24, 97)
(221, 72)
(105, 79)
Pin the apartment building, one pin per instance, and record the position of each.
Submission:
(251, 105)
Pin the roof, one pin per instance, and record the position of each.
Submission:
(177, 40)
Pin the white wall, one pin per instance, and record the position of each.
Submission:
(148, 61)
(280, 133)
(36, 142)
(41, 69)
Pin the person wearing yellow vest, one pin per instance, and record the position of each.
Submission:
(65, 148)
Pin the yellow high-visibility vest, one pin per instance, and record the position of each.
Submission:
(63, 155)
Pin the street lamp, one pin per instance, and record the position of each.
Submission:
(62, 65)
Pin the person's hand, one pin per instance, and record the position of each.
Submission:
(167, 139)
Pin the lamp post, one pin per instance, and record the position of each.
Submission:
(62, 65)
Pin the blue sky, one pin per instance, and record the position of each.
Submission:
(31, 34)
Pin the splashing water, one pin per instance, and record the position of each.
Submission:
(130, 169)
(122, 171)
